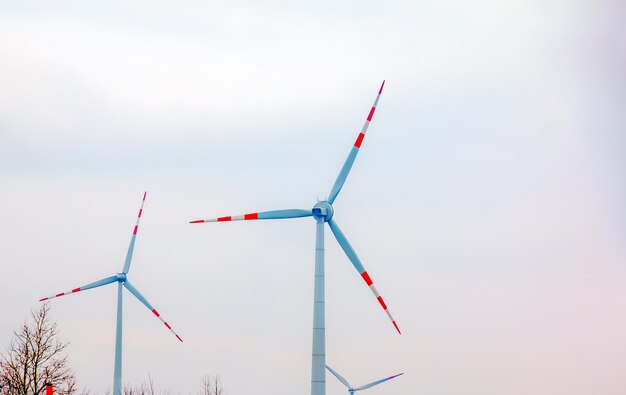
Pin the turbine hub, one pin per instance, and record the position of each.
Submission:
(121, 277)
(324, 210)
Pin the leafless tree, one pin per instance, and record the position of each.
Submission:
(141, 389)
(212, 385)
(36, 357)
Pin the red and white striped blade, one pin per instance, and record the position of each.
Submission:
(94, 284)
(366, 386)
(131, 246)
(356, 262)
(143, 300)
(379, 298)
(275, 214)
(345, 170)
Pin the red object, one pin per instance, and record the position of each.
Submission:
(198, 221)
(76, 290)
(369, 117)
(379, 92)
(155, 312)
(367, 278)
(251, 216)
(140, 210)
(359, 140)
(398, 329)
(49, 389)
(167, 325)
(382, 302)
(221, 219)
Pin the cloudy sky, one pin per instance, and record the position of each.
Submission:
(487, 202)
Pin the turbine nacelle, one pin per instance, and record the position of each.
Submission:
(121, 277)
(323, 210)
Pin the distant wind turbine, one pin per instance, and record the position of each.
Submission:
(323, 212)
(122, 280)
(351, 389)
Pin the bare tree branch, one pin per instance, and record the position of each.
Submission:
(36, 357)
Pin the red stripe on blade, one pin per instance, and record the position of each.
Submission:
(369, 117)
(382, 302)
(135, 230)
(359, 140)
(381, 88)
(76, 290)
(155, 312)
(222, 219)
(167, 325)
(396, 325)
(367, 278)
(140, 210)
(198, 221)
(251, 216)
(61, 294)
(41, 300)
(178, 337)
(145, 193)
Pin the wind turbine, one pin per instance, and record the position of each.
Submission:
(323, 212)
(351, 389)
(122, 280)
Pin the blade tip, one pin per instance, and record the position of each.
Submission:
(381, 87)
(398, 329)
(197, 221)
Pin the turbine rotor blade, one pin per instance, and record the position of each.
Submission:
(366, 386)
(356, 262)
(131, 247)
(276, 214)
(339, 377)
(95, 284)
(143, 300)
(345, 170)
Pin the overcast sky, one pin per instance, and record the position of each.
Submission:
(487, 202)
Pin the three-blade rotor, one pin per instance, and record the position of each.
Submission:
(122, 277)
(325, 211)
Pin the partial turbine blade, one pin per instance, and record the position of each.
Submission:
(339, 377)
(131, 247)
(143, 300)
(95, 284)
(345, 170)
(366, 386)
(276, 214)
(347, 248)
